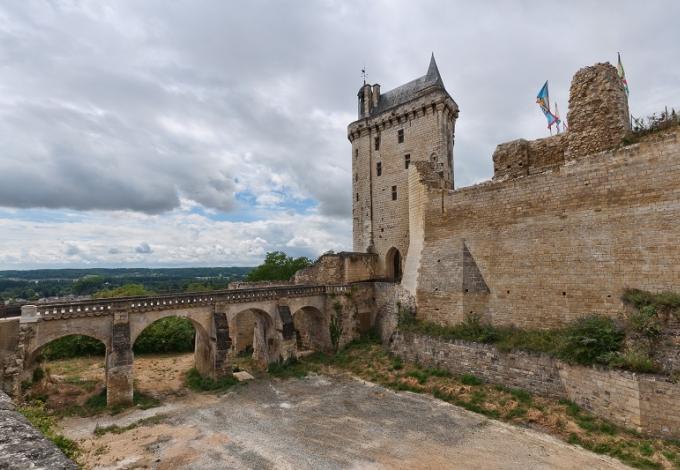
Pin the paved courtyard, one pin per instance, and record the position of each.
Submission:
(322, 423)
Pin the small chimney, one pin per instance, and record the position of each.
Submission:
(376, 95)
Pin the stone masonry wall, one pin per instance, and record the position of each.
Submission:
(9, 334)
(557, 245)
(645, 402)
(338, 268)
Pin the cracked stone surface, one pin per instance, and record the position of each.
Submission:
(24, 447)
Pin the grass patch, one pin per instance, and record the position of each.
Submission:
(469, 379)
(36, 413)
(196, 382)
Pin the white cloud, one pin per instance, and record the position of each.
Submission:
(149, 122)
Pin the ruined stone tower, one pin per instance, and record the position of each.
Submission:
(414, 122)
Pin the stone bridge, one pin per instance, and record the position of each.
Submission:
(273, 322)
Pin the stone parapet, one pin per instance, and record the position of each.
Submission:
(23, 446)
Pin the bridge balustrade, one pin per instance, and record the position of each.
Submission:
(97, 307)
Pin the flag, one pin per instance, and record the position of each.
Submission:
(543, 100)
(622, 75)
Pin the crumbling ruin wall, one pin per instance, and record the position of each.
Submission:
(338, 268)
(598, 120)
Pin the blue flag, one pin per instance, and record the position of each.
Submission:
(543, 100)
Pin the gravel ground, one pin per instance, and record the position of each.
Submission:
(324, 422)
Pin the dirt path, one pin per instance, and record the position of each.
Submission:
(321, 423)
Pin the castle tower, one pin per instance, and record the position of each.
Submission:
(413, 122)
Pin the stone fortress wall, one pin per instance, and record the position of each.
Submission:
(566, 224)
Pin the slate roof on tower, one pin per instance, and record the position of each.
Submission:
(410, 90)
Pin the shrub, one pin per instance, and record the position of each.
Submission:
(590, 339)
(634, 360)
(469, 379)
(167, 335)
(195, 381)
(73, 346)
(664, 302)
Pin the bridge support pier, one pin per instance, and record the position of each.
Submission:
(119, 363)
(211, 352)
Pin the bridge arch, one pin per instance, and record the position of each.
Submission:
(311, 329)
(36, 350)
(252, 333)
(200, 319)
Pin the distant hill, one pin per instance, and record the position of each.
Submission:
(41, 283)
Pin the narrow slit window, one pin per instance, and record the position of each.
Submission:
(407, 160)
(356, 176)
(357, 197)
(356, 153)
(376, 143)
(400, 136)
(394, 193)
(378, 168)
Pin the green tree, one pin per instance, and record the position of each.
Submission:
(278, 266)
(88, 284)
(127, 290)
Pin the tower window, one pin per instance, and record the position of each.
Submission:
(356, 176)
(376, 143)
(407, 160)
(400, 136)
(394, 193)
(356, 153)
(378, 168)
(357, 197)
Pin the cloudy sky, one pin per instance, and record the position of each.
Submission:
(206, 133)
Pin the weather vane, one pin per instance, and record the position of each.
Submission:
(363, 74)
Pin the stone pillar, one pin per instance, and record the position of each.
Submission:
(288, 343)
(119, 360)
(260, 347)
(222, 365)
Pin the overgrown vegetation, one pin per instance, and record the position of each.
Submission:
(38, 416)
(195, 381)
(73, 346)
(167, 335)
(652, 124)
(278, 266)
(593, 339)
(564, 419)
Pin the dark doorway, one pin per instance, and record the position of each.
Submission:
(393, 265)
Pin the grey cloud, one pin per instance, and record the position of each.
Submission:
(143, 249)
(71, 250)
(136, 105)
